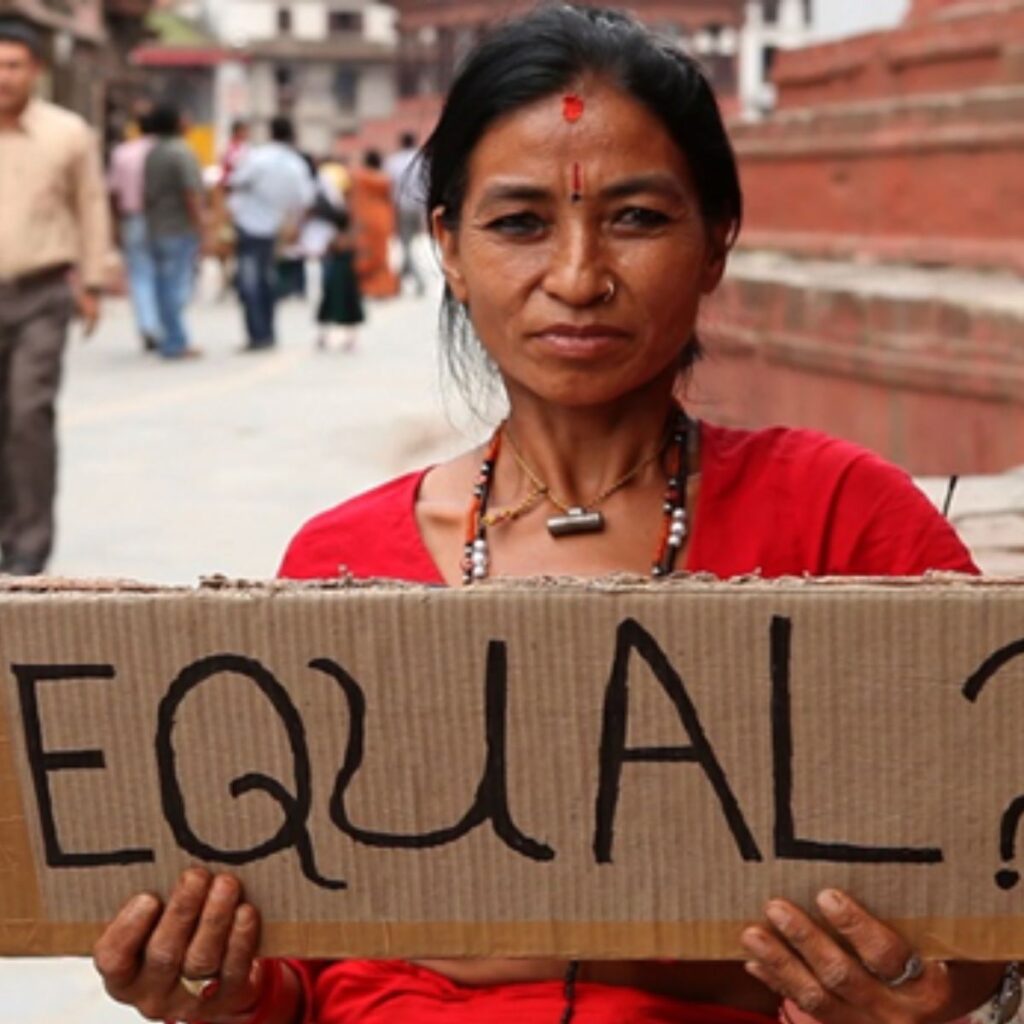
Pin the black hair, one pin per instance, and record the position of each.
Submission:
(372, 158)
(406, 140)
(546, 52)
(282, 130)
(17, 30)
(145, 123)
(165, 121)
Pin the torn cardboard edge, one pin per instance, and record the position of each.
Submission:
(694, 657)
(611, 583)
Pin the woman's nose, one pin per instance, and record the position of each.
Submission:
(576, 274)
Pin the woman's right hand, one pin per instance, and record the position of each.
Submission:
(205, 931)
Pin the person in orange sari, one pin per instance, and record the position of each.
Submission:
(374, 214)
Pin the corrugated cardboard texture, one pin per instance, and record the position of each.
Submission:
(606, 770)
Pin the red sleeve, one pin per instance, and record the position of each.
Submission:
(372, 535)
(883, 525)
(786, 502)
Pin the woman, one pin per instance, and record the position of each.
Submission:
(374, 215)
(583, 198)
(341, 303)
(328, 236)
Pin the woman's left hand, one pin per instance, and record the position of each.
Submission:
(855, 969)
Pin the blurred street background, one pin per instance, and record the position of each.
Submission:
(876, 292)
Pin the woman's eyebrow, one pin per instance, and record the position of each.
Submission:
(659, 183)
(514, 191)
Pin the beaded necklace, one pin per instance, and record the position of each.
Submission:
(476, 561)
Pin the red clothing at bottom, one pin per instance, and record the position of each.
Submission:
(396, 992)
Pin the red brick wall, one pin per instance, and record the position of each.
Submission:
(933, 384)
(906, 143)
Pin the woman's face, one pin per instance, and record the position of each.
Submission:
(580, 249)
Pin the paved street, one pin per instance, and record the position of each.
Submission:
(173, 471)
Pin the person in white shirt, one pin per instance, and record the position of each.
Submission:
(403, 168)
(271, 190)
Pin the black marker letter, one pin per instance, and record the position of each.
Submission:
(787, 846)
(614, 752)
(295, 807)
(491, 801)
(43, 761)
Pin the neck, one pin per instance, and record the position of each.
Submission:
(579, 452)
(10, 119)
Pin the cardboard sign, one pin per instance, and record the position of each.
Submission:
(602, 770)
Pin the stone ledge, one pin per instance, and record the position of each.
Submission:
(887, 356)
(994, 293)
(1003, 103)
(914, 251)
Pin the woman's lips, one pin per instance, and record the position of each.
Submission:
(580, 341)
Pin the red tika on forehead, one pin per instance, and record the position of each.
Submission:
(572, 108)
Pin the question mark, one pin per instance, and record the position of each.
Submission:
(1007, 878)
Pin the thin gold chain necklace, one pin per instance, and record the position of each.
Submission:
(476, 556)
(583, 518)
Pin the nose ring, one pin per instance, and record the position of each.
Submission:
(609, 292)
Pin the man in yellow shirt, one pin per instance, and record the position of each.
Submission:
(55, 217)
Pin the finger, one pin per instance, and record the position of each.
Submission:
(206, 950)
(883, 951)
(839, 972)
(240, 975)
(118, 953)
(778, 966)
(889, 956)
(166, 949)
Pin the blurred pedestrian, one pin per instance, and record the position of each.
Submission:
(271, 190)
(373, 212)
(126, 180)
(403, 167)
(222, 230)
(55, 218)
(174, 219)
(235, 151)
(341, 302)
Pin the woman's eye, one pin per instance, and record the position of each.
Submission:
(642, 218)
(518, 225)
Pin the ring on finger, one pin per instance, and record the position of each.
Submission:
(200, 988)
(912, 970)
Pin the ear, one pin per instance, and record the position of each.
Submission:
(717, 257)
(447, 239)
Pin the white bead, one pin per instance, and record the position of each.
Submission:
(679, 515)
(677, 531)
(479, 572)
(480, 544)
(675, 542)
(479, 558)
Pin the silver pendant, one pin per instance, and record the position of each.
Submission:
(576, 520)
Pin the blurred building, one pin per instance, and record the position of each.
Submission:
(878, 293)
(435, 35)
(328, 64)
(88, 42)
(735, 40)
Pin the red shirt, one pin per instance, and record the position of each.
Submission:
(779, 502)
